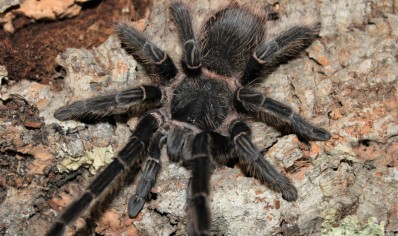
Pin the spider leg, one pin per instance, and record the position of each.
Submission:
(278, 115)
(278, 50)
(191, 61)
(127, 157)
(257, 165)
(106, 105)
(221, 148)
(153, 58)
(201, 172)
(152, 167)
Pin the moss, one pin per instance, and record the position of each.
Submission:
(350, 225)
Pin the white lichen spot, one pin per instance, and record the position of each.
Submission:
(94, 159)
(350, 225)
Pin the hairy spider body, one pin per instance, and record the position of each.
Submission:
(207, 105)
(229, 38)
(199, 110)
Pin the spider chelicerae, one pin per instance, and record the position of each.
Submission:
(198, 109)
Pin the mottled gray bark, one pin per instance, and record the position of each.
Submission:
(346, 82)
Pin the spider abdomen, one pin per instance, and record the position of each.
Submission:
(201, 101)
(229, 38)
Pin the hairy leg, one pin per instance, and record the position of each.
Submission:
(156, 62)
(116, 103)
(278, 50)
(201, 171)
(191, 60)
(127, 157)
(152, 167)
(257, 165)
(278, 115)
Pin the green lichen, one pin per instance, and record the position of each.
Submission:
(94, 159)
(350, 225)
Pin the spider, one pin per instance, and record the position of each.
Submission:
(198, 109)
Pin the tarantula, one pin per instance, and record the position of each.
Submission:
(198, 109)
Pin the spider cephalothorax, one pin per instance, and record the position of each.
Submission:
(198, 111)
